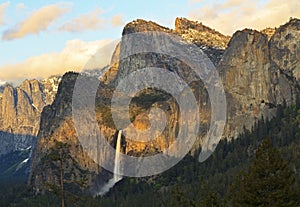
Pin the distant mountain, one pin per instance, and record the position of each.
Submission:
(259, 73)
(20, 112)
(21, 106)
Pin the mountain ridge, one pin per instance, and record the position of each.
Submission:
(21, 106)
(254, 80)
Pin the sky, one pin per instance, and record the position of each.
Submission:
(43, 38)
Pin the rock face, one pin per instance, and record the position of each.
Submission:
(257, 75)
(212, 42)
(285, 48)
(57, 126)
(254, 85)
(21, 107)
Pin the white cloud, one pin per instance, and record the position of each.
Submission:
(74, 57)
(3, 6)
(38, 21)
(89, 21)
(233, 15)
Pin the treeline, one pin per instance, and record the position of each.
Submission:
(210, 183)
(232, 176)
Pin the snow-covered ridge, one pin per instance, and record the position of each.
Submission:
(50, 88)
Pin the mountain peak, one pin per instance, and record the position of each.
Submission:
(200, 34)
(21, 106)
(268, 31)
(189, 30)
(141, 25)
(182, 23)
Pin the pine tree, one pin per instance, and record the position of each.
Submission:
(59, 154)
(269, 181)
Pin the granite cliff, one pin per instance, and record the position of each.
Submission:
(259, 72)
(254, 84)
(20, 111)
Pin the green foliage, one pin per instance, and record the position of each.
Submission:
(269, 182)
(191, 183)
(106, 115)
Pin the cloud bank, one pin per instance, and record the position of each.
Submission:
(38, 21)
(232, 15)
(73, 57)
(89, 21)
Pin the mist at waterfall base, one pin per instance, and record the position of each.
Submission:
(117, 177)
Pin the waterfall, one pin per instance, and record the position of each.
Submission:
(117, 177)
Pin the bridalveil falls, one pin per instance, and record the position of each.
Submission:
(117, 177)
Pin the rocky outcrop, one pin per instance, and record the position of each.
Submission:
(57, 126)
(269, 32)
(141, 25)
(212, 42)
(200, 34)
(285, 48)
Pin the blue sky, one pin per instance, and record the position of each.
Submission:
(42, 38)
(52, 40)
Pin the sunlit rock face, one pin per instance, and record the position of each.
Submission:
(21, 108)
(200, 34)
(57, 125)
(254, 79)
(253, 83)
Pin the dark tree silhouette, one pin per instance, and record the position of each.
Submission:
(269, 181)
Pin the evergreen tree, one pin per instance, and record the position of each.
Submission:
(269, 181)
(58, 155)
